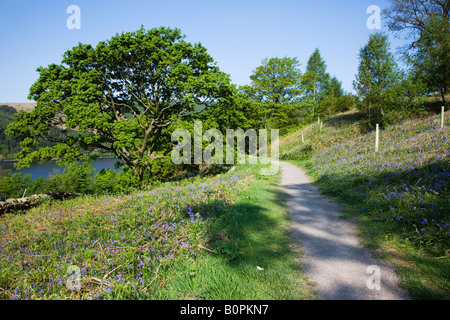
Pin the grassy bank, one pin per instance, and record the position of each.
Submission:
(196, 239)
(400, 195)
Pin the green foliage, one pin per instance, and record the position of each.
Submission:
(331, 105)
(276, 88)
(136, 84)
(4, 172)
(317, 80)
(334, 88)
(126, 181)
(15, 185)
(207, 121)
(426, 25)
(39, 186)
(322, 92)
(78, 178)
(277, 80)
(404, 97)
(163, 169)
(8, 145)
(377, 72)
(105, 181)
(430, 60)
(8, 188)
(241, 112)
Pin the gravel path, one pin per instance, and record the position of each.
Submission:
(332, 258)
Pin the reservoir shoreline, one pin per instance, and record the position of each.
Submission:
(51, 168)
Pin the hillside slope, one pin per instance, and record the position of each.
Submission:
(201, 238)
(27, 107)
(400, 195)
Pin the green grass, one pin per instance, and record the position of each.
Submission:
(196, 239)
(256, 236)
(399, 196)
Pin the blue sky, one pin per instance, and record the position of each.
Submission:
(237, 34)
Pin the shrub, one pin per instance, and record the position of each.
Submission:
(105, 181)
(78, 178)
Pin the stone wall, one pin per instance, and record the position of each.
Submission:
(13, 205)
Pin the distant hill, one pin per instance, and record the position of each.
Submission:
(27, 107)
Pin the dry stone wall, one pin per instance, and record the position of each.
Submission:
(13, 205)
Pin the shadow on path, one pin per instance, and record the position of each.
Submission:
(333, 257)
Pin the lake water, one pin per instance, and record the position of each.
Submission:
(50, 167)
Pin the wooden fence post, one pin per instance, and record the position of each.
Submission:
(377, 136)
(442, 117)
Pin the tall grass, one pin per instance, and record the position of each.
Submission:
(122, 245)
(195, 239)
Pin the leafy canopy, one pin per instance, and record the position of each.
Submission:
(316, 76)
(430, 61)
(276, 86)
(410, 16)
(426, 24)
(119, 97)
(377, 72)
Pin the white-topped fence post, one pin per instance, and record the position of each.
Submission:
(377, 136)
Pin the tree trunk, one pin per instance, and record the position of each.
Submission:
(138, 171)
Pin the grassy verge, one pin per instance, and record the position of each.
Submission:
(399, 196)
(197, 239)
(256, 235)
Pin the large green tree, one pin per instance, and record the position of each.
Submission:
(426, 24)
(409, 17)
(377, 72)
(119, 97)
(430, 59)
(316, 79)
(276, 85)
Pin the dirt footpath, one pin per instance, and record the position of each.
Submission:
(333, 259)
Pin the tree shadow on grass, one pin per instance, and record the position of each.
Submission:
(410, 195)
(247, 228)
(354, 118)
(255, 244)
(333, 257)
